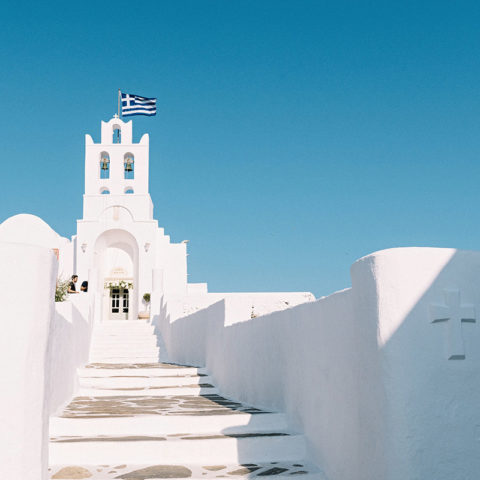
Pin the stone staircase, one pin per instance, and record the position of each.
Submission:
(127, 341)
(135, 418)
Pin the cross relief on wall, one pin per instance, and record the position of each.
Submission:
(454, 314)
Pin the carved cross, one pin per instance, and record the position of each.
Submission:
(454, 314)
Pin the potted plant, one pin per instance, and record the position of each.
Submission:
(145, 315)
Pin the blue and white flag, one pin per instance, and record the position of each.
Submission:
(135, 105)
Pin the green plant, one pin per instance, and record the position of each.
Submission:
(146, 297)
(61, 290)
(118, 284)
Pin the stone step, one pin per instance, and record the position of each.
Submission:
(125, 352)
(152, 369)
(124, 322)
(117, 406)
(121, 336)
(122, 333)
(203, 449)
(150, 343)
(185, 390)
(147, 330)
(125, 355)
(141, 381)
(124, 325)
(148, 352)
(127, 342)
(123, 346)
(99, 358)
(167, 424)
(144, 329)
(278, 470)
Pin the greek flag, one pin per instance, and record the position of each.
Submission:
(136, 105)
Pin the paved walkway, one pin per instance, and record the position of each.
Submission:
(139, 421)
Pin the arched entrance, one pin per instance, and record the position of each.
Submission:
(116, 259)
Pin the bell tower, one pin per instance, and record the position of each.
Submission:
(119, 247)
(116, 172)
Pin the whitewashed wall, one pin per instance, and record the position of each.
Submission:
(431, 426)
(27, 289)
(69, 346)
(30, 229)
(380, 388)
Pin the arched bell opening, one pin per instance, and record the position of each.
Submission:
(129, 166)
(104, 165)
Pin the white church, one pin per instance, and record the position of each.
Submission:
(119, 247)
(378, 381)
(118, 241)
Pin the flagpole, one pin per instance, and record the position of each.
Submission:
(119, 96)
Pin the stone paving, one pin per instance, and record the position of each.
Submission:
(144, 472)
(155, 438)
(129, 406)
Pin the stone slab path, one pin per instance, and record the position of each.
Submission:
(156, 420)
(142, 472)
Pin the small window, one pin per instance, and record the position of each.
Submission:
(104, 165)
(104, 191)
(129, 166)
(129, 190)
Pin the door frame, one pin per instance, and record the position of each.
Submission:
(107, 300)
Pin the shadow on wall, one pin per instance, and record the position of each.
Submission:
(189, 341)
(429, 343)
(382, 377)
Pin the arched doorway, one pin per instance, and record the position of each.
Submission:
(116, 259)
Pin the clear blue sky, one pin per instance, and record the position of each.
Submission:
(291, 137)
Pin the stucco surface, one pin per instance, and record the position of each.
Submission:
(26, 314)
(32, 230)
(429, 346)
(373, 374)
(69, 346)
